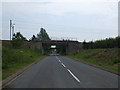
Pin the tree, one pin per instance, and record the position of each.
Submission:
(18, 40)
(42, 35)
(34, 38)
(18, 36)
(84, 44)
(91, 44)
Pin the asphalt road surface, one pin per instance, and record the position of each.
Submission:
(63, 72)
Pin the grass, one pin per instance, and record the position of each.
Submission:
(0, 63)
(105, 58)
(16, 59)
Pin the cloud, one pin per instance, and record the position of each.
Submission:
(60, 0)
(0, 21)
(61, 8)
(104, 15)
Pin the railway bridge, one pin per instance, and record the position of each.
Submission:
(62, 46)
(65, 46)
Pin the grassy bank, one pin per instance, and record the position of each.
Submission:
(105, 58)
(16, 59)
(0, 62)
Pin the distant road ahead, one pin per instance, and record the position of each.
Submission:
(63, 72)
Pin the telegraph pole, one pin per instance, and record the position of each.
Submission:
(13, 30)
(10, 28)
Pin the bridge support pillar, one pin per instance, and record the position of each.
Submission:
(73, 47)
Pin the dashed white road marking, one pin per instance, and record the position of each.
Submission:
(73, 76)
(57, 57)
(63, 65)
(69, 71)
(59, 61)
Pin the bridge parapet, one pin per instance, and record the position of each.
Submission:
(64, 38)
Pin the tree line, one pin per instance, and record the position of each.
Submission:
(105, 43)
(41, 36)
(18, 39)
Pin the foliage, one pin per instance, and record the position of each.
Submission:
(15, 56)
(106, 58)
(34, 38)
(107, 43)
(42, 36)
(18, 36)
(14, 59)
(18, 40)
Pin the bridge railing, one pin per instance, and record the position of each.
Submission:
(64, 38)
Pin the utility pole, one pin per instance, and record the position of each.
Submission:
(13, 27)
(10, 28)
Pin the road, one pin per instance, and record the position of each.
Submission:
(63, 72)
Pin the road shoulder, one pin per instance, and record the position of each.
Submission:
(17, 74)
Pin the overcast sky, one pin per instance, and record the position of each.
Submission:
(82, 19)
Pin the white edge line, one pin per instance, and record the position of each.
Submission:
(73, 76)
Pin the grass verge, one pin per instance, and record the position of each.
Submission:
(105, 58)
(16, 59)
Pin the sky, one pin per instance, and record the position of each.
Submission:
(88, 20)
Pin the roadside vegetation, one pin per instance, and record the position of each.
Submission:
(103, 53)
(105, 43)
(0, 61)
(15, 59)
(15, 55)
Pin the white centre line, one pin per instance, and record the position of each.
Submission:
(73, 76)
(59, 61)
(63, 65)
(69, 71)
(57, 57)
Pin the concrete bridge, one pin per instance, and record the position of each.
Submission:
(69, 46)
